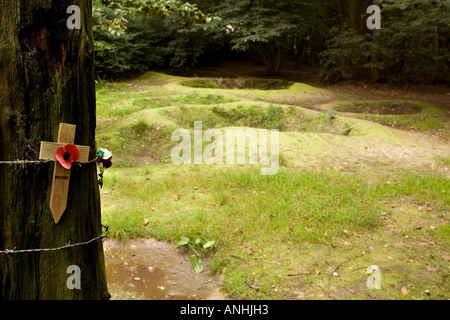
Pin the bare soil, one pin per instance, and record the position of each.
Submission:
(146, 269)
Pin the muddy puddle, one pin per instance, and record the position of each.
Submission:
(146, 269)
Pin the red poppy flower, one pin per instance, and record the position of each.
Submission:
(67, 155)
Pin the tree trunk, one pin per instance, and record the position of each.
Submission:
(273, 59)
(358, 71)
(436, 47)
(354, 15)
(374, 58)
(47, 77)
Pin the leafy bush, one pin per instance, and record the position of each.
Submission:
(411, 45)
(346, 53)
(148, 42)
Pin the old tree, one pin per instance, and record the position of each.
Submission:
(46, 78)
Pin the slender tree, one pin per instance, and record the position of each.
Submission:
(47, 77)
(354, 15)
(263, 26)
(374, 54)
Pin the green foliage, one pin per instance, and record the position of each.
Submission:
(411, 46)
(347, 51)
(129, 40)
(198, 246)
(347, 129)
(262, 26)
(331, 114)
(196, 263)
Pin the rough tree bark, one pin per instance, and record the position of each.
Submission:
(46, 77)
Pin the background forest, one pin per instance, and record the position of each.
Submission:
(412, 45)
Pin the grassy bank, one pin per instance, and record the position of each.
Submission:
(352, 191)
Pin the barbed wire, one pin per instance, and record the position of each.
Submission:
(31, 162)
(22, 162)
(67, 246)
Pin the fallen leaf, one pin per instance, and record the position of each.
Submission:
(301, 296)
(446, 258)
(431, 268)
(405, 291)
(146, 222)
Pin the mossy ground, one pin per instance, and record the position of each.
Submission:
(353, 190)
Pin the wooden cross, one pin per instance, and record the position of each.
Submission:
(61, 176)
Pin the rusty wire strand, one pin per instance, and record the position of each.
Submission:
(67, 246)
(31, 162)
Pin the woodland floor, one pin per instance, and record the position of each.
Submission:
(364, 181)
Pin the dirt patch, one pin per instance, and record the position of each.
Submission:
(380, 108)
(146, 269)
(238, 83)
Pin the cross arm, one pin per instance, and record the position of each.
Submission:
(48, 150)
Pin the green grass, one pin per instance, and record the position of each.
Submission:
(353, 190)
(293, 206)
(139, 143)
(243, 210)
(109, 106)
(326, 204)
(242, 115)
(402, 114)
